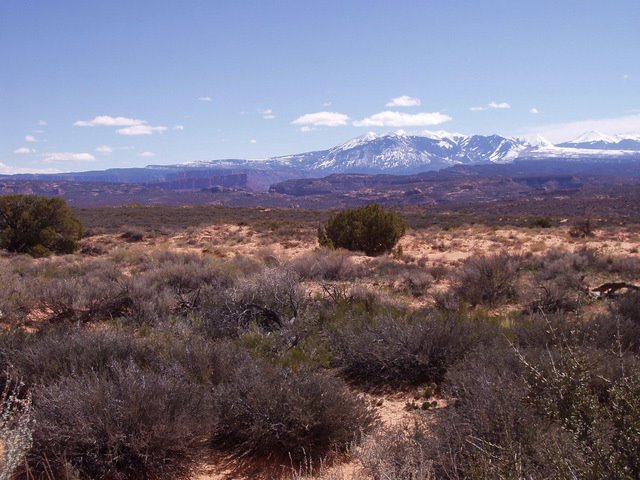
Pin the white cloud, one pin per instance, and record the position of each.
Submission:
(68, 157)
(23, 150)
(204, 99)
(322, 119)
(109, 121)
(491, 106)
(534, 111)
(403, 101)
(42, 123)
(267, 114)
(560, 132)
(9, 170)
(180, 128)
(104, 149)
(253, 140)
(140, 130)
(399, 119)
(147, 154)
(30, 138)
(307, 128)
(326, 104)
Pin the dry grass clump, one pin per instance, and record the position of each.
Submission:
(269, 300)
(489, 280)
(129, 423)
(588, 260)
(170, 283)
(265, 409)
(557, 291)
(94, 290)
(132, 235)
(400, 350)
(326, 264)
(398, 452)
(16, 295)
(53, 353)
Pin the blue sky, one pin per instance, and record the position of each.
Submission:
(91, 84)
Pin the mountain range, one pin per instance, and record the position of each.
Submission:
(391, 153)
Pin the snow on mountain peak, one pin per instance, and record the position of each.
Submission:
(592, 137)
(537, 141)
(441, 135)
(358, 141)
(629, 136)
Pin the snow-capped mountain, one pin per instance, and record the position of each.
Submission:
(401, 152)
(397, 153)
(404, 153)
(599, 141)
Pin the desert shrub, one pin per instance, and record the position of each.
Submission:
(370, 229)
(542, 222)
(398, 452)
(16, 434)
(151, 302)
(581, 228)
(448, 301)
(132, 235)
(54, 353)
(564, 272)
(128, 424)
(92, 290)
(391, 267)
(37, 225)
(185, 272)
(554, 296)
(400, 350)
(438, 271)
(628, 306)
(489, 432)
(554, 408)
(416, 283)
(272, 410)
(613, 331)
(269, 300)
(532, 330)
(244, 265)
(623, 265)
(488, 280)
(170, 283)
(591, 396)
(16, 294)
(325, 264)
(589, 259)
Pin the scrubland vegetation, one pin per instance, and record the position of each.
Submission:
(158, 349)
